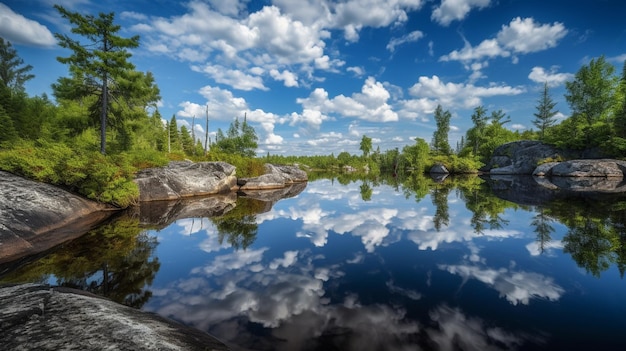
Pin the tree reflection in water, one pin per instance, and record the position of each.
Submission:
(239, 226)
(114, 260)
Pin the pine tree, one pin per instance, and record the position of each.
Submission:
(13, 72)
(476, 134)
(544, 117)
(366, 145)
(440, 136)
(7, 130)
(186, 141)
(96, 65)
(174, 137)
(240, 139)
(620, 113)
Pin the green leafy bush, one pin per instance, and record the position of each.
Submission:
(457, 165)
(246, 166)
(102, 178)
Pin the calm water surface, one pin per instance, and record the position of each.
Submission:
(368, 266)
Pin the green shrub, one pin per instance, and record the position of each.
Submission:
(457, 165)
(107, 179)
(246, 166)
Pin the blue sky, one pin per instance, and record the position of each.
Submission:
(314, 76)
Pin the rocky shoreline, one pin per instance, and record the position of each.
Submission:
(544, 163)
(35, 217)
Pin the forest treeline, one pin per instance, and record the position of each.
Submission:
(597, 100)
(104, 124)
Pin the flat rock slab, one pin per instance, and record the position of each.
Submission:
(37, 317)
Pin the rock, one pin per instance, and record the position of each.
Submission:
(544, 169)
(38, 317)
(589, 168)
(185, 179)
(590, 176)
(275, 177)
(439, 169)
(519, 157)
(35, 217)
(292, 174)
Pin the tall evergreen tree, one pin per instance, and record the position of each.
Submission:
(249, 139)
(97, 64)
(13, 72)
(440, 136)
(173, 136)
(476, 133)
(620, 112)
(366, 145)
(160, 133)
(7, 130)
(544, 117)
(186, 140)
(590, 95)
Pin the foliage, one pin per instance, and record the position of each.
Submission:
(100, 68)
(486, 135)
(366, 145)
(239, 226)
(440, 136)
(620, 108)
(241, 139)
(416, 155)
(13, 72)
(457, 165)
(246, 167)
(544, 117)
(103, 178)
(590, 97)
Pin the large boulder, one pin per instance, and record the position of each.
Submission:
(182, 179)
(519, 157)
(38, 317)
(589, 168)
(595, 176)
(439, 169)
(275, 177)
(36, 216)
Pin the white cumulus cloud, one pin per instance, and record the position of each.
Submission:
(18, 29)
(455, 10)
(551, 77)
(370, 104)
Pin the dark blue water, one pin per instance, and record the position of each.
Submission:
(375, 267)
(328, 270)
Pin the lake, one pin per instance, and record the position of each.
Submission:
(353, 264)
